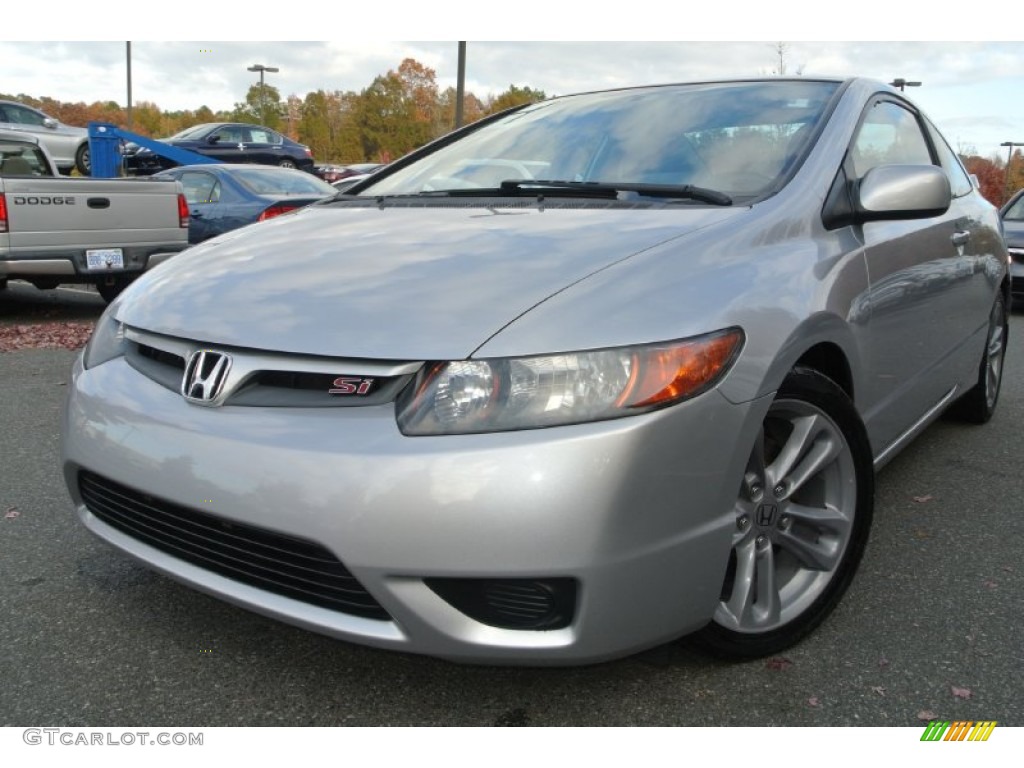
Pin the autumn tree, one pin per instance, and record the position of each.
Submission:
(991, 178)
(472, 110)
(513, 97)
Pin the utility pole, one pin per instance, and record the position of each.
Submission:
(460, 86)
(128, 53)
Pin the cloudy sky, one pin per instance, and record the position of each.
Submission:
(973, 90)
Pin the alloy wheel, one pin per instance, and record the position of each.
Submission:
(794, 517)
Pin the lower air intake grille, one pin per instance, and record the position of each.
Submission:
(526, 604)
(295, 568)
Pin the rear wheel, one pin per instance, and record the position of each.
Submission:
(979, 403)
(286, 163)
(110, 288)
(803, 513)
(82, 160)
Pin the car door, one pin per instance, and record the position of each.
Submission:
(922, 274)
(228, 144)
(264, 146)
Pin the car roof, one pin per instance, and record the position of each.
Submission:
(229, 167)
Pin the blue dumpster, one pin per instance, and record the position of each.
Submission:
(104, 151)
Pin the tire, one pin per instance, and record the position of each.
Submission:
(111, 290)
(803, 513)
(979, 402)
(82, 160)
(286, 163)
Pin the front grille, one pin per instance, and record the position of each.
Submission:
(284, 565)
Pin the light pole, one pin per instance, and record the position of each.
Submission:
(1009, 159)
(261, 69)
(460, 85)
(902, 84)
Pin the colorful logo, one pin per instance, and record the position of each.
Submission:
(958, 730)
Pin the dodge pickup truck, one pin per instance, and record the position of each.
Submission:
(55, 229)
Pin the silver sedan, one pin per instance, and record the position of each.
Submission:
(583, 378)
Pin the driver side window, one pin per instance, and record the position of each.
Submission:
(889, 135)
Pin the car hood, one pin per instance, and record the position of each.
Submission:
(391, 282)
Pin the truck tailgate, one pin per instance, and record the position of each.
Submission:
(47, 214)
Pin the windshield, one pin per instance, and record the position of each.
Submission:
(741, 139)
(282, 181)
(194, 132)
(1016, 211)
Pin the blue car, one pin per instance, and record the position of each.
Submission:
(223, 197)
(226, 142)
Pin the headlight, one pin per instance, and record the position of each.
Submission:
(503, 394)
(107, 340)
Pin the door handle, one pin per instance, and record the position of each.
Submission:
(960, 238)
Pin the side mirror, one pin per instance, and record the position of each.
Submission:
(213, 139)
(49, 122)
(902, 192)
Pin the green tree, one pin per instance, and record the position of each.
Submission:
(261, 105)
(386, 118)
(513, 97)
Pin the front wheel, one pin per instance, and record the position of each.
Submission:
(286, 163)
(82, 160)
(802, 516)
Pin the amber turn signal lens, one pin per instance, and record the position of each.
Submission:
(667, 374)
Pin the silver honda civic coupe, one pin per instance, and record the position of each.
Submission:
(579, 379)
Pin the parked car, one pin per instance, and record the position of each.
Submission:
(349, 181)
(1012, 214)
(581, 378)
(228, 143)
(67, 145)
(224, 197)
(105, 232)
(333, 173)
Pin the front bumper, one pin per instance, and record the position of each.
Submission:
(638, 512)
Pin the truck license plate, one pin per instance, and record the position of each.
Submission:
(104, 258)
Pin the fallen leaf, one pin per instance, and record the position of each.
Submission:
(923, 499)
(1007, 569)
(926, 715)
(49, 334)
(879, 689)
(12, 512)
(883, 663)
(814, 701)
(989, 583)
(961, 693)
(778, 663)
(922, 534)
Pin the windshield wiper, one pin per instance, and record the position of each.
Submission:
(687, 191)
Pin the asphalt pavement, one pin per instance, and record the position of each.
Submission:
(932, 625)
